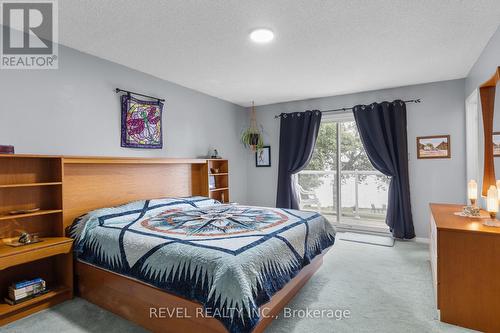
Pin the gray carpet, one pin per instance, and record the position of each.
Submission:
(386, 289)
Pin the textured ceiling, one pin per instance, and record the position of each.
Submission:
(321, 48)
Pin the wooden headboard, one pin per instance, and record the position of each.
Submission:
(90, 183)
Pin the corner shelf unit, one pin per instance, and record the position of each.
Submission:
(219, 169)
(28, 182)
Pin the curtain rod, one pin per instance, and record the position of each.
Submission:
(118, 90)
(417, 100)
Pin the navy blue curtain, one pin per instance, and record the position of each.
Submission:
(298, 134)
(382, 128)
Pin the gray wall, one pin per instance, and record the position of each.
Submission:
(441, 112)
(75, 111)
(481, 71)
(485, 65)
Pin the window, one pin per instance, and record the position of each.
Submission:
(360, 202)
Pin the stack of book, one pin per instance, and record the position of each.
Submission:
(24, 290)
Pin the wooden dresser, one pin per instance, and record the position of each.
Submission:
(465, 260)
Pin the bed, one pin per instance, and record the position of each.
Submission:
(230, 258)
(183, 262)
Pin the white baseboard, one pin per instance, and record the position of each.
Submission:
(422, 240)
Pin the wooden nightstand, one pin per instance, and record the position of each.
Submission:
(27, 182)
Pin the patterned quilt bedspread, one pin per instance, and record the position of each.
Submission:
(230, 258)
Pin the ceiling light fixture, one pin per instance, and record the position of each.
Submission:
(262, 35)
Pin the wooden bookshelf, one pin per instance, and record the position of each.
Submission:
(219, 169)
(28, 182)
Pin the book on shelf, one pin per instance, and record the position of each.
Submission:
(12, 302)
(17, 294)
(25, 283)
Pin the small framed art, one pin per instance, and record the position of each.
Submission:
(435, 146)
(496, 144)
(263, 157)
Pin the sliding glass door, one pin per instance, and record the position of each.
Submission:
(340, 181)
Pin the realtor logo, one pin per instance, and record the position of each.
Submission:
(29, 34)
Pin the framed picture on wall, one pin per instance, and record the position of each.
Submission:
(263, 157)
(435, 146)
(496, 144)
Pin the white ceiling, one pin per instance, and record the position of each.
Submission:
(321, 47)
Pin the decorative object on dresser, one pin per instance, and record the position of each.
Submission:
(487, 92)
(263, 157)
(434, 146)
(28, 182)
(471, 211)
(252, 137)
(141, 122)
(472, 192)
(6, 149)
(492, 201)
(464, 259)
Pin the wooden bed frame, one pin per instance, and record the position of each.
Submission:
(91, 183)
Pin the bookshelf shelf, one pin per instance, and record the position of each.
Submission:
(37, 213)
(6, 309)
(30, 185)
(52, 246)
(219, 189)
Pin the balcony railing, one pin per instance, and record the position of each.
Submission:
(363, 193)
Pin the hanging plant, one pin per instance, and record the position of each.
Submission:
(252, 136)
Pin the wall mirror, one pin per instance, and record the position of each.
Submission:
(487, 93)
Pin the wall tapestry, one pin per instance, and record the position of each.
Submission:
(141, 123)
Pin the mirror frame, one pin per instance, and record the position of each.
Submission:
(487, 93)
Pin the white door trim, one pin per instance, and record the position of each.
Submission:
(472, 136)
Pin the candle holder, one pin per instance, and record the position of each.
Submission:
(472, 192)
(493, 215)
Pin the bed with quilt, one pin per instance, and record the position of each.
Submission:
(230, 258)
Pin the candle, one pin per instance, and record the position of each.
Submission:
(472, 191)
(492, 201)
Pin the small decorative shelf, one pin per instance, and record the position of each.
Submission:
(219, 174)
(48, 247)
